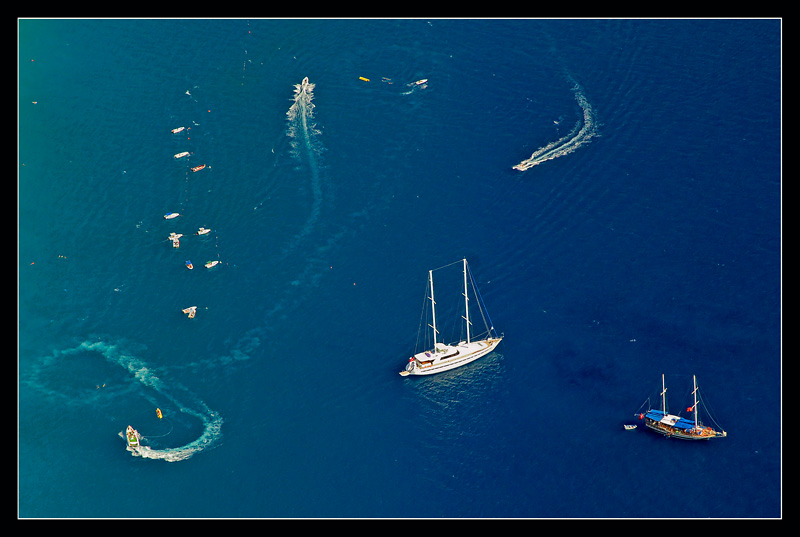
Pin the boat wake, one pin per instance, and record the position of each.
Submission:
(305, 146)
(585, 129)
(143, 376)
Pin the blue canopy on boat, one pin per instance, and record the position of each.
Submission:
(669, 419)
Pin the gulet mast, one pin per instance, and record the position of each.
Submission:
(694, 392)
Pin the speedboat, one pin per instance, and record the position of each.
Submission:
(210, 264)
(170, 216)
(189, 265)
(132, 435)
(177, 130)
(181, 155)
(203, 231)
(198, 168)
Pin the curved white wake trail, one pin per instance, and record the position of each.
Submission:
(581, 134)
(141, 372)
(212, 422)
(305, 148)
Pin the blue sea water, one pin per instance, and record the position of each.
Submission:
(650, 243)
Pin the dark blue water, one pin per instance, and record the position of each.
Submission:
(650, 243)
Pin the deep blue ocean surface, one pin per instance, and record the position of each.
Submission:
(643, 237)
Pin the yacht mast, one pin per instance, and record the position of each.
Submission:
(466, 299)
(433, 309)
(663, 395)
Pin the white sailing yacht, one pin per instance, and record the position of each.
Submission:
(443, 357)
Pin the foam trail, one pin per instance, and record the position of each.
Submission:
(141, 372)
(305, 146)
(212, 422)
(581, 134)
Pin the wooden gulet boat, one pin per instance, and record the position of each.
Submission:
(674, 426)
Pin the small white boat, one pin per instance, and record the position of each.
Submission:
(210, 264)
(190, 311)
(179, 129)
(629, 427)
(132, 436)
(175, 238)
(170, 216)
(203, 231)
(182, 154)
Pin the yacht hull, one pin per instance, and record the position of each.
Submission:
(454, 356)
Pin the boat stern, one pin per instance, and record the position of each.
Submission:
(410, 366)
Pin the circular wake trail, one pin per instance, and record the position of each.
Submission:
(144, 376)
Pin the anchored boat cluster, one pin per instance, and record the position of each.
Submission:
(175, 238)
